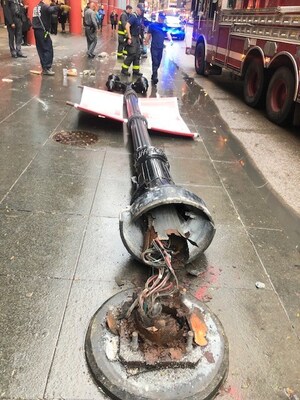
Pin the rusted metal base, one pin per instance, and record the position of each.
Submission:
(124, 375)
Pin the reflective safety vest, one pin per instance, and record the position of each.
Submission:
(122, 23)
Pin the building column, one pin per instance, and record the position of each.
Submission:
(75, 17)
(31, 4)
(105, 21)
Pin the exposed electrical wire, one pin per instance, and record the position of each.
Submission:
(161, 284)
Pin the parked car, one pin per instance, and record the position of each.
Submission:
(175, 25)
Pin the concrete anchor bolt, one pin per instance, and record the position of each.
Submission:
(135, 341)
(189, 342)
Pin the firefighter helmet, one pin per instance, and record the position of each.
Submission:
(140, 85)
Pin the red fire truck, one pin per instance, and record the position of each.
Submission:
(259, 40)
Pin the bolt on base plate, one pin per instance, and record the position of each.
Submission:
(200, 382)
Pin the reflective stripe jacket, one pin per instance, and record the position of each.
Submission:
(122, 22)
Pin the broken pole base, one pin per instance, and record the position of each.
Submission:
(200, 382)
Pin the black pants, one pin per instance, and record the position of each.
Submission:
(53, 28)
(44, 48)
(15, 37)
(63, 20)
(156, 55)
(121, 45)
(133, 55)
(54, 24)
(25, 37)
(91, 38)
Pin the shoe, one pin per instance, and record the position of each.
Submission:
(48, 71)
(26, 44)
(91, 55)
(20, 55)
(14, 56)
(154, 81)
(125, 73)
(137, 74)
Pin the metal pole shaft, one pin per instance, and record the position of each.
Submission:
(158, 207)
(151, 164)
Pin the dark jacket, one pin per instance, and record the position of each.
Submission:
(11, 11)
(43, 13)
(113, 18)
(122, 22)
(135, 21)
(26, 23)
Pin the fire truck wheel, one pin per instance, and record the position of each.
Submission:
(200, 62)
(280, 96)
(254, 83)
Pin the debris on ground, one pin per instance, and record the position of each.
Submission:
(111, 321)
(290, 394)
(36, 72)
(206, 298)
(260, 285)
(7, 80)
(194, 272)
(88, 72)
(103, 54)
(72, 72)
(199, 328)
(119, 281)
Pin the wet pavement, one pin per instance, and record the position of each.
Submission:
(273, 150)
(61, 254)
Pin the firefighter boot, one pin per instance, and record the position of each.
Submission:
(125, 72)
(125, 69)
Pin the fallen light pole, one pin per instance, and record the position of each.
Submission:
(158, 205)
(159, 342)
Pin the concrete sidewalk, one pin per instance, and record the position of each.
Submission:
(61, 254)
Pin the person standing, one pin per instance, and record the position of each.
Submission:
(13, 20)
(113, 20)
(63, 16)
(101, 15)
(41, 23)
(54, 20)
(133, 31)
(156, 33)
(26, 25)
(90, 23)
(122, 31)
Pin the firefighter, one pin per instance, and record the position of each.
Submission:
(122, 32)
(133, 30)
(156, 33)
(12, 10)
(41, 23)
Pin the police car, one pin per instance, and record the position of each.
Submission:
(174, 24)
(175, 27)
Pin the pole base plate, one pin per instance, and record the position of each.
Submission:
(200, 382)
